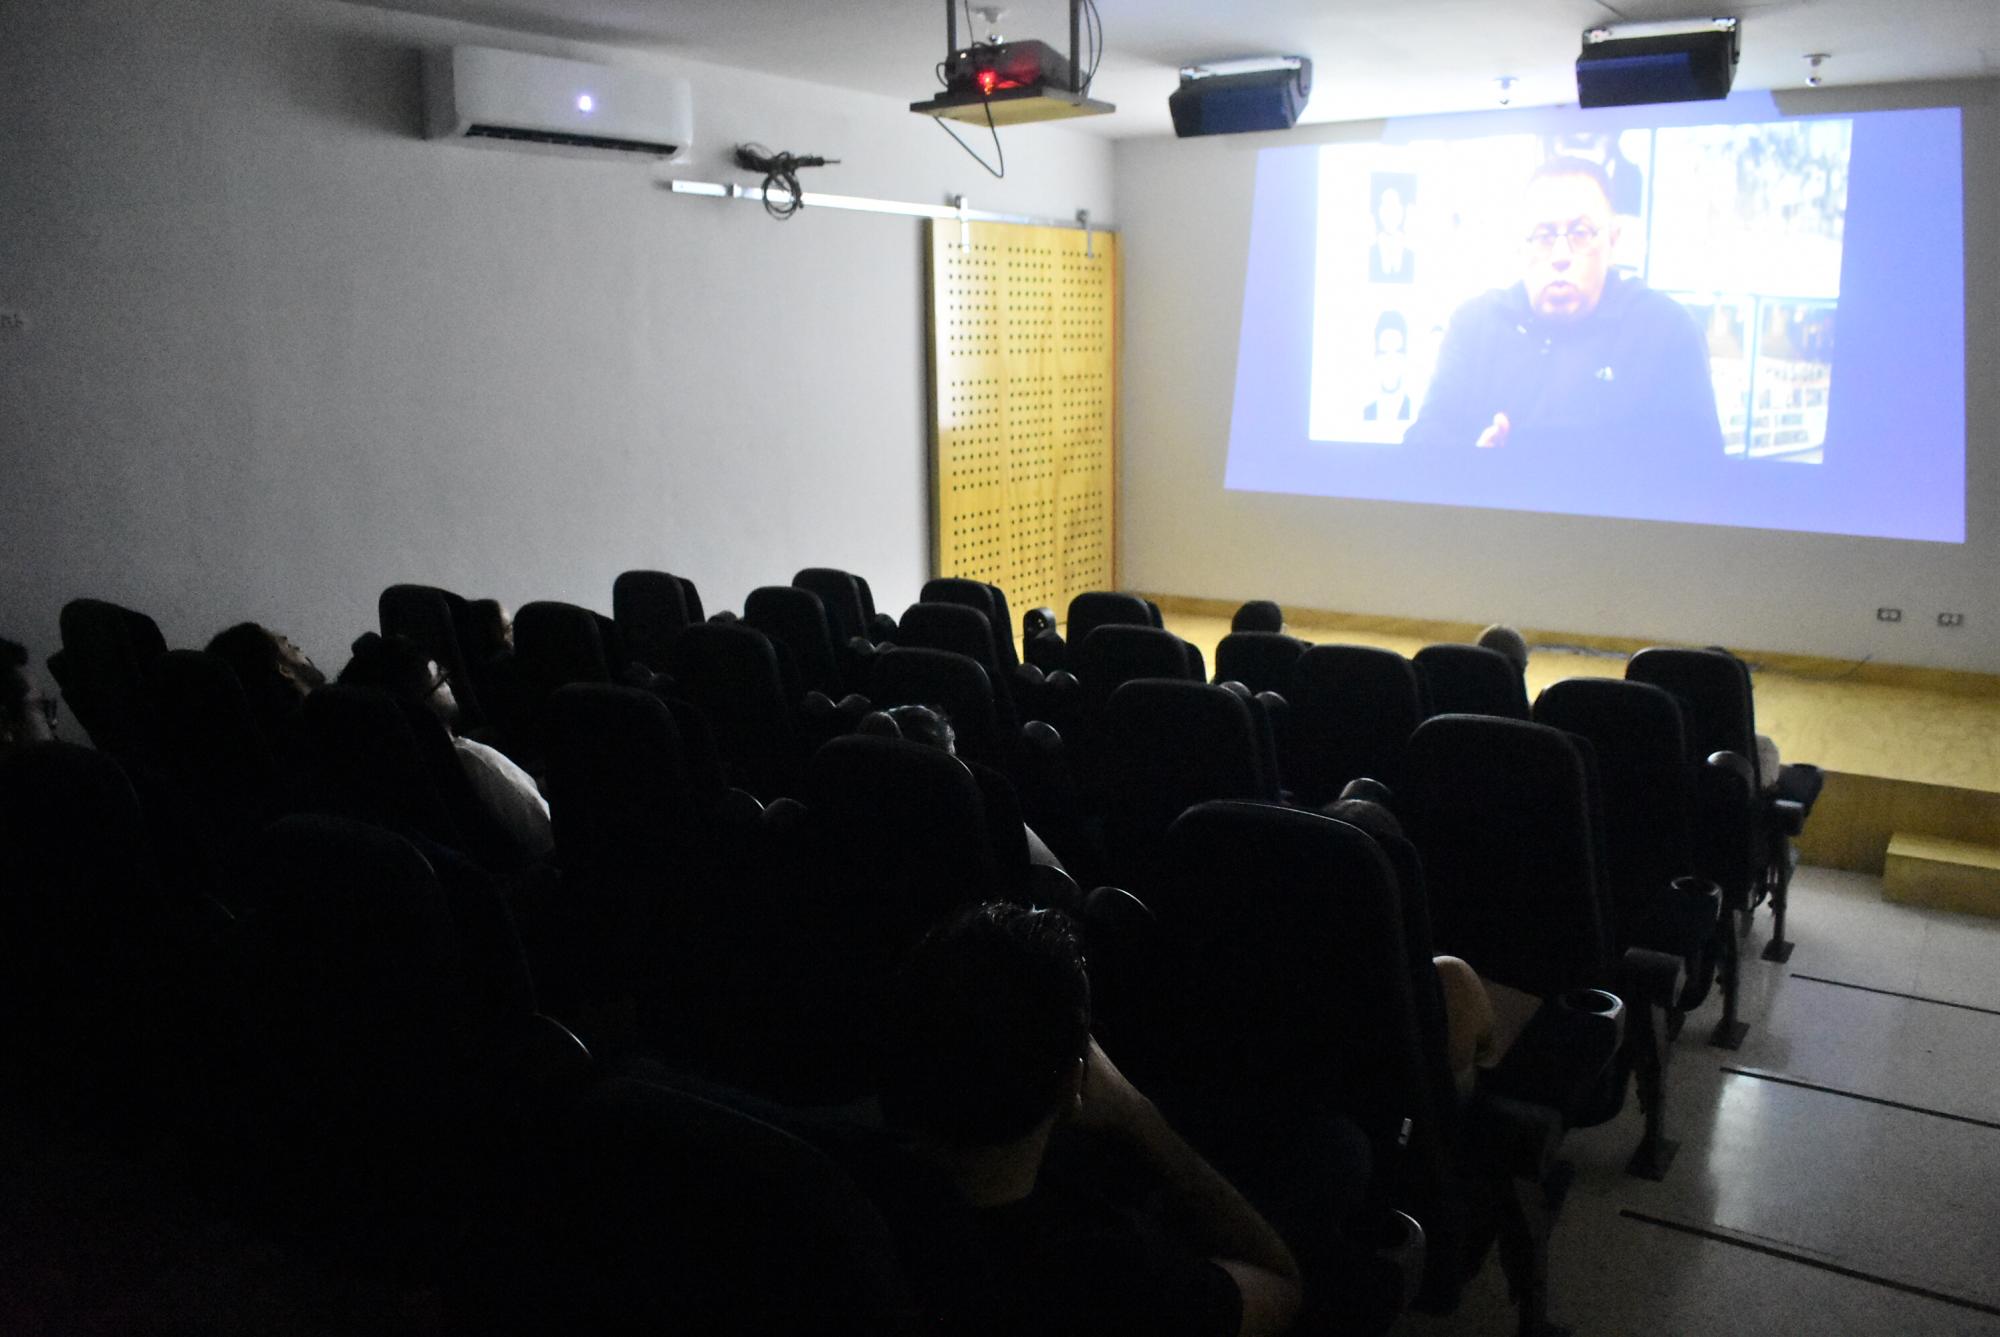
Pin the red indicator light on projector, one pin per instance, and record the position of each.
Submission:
(988, 78)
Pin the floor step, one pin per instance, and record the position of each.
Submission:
(1943, 874)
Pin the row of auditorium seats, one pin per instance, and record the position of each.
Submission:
(327, 975)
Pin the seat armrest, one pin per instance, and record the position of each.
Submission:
(1788, 816)
(1656, 977)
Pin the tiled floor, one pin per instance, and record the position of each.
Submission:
(1907, 1197)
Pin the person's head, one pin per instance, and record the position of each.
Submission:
(276, 675)
(1258, 615)
(990, 1028)
(492, 629)
(395, 665)
(1392, 347)
(1508, 642)
(1370, 816)
(1568, 234)
(918, 724)
(26, 715)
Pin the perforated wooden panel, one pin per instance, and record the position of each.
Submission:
(1024, 330)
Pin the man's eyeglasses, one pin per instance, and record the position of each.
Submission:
(1578, 235)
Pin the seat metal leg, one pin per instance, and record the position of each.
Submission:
(1778, 948)
(1528, 1212)
(1729, 1032)
(1654, 1155)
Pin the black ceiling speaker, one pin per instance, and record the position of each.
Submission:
(1252, 93)
(1622, 71)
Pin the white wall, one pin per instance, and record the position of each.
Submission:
(1186, 213)
(283, 351)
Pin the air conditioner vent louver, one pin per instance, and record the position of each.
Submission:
(565, 140)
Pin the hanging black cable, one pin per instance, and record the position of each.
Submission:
(783, 195)
(1001, 170)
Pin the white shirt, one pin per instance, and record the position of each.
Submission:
(509, 793)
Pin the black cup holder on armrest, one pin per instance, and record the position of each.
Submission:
(1562, 1056)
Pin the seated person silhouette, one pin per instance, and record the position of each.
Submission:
(990, 1054)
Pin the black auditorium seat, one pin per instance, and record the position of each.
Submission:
(796, 619)
(103, 670)
(651, 609)
(733, 675)
(1503, 813)
(1353, 709)
(1472, 680)
(840, 592)
(434, 620)
(1714, 691)
(1168, 745)
(1260, 660)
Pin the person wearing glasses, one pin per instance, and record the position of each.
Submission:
(1576, 364)
(26, 715)
(395, 665)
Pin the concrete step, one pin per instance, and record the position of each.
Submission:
(1943, 874)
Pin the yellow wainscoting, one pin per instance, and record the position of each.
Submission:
(1024, 395)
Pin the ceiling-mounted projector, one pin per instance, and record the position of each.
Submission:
(1692, 61)
(1227, 97)
(1012, 83)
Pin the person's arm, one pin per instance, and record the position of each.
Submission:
(1203, 1206)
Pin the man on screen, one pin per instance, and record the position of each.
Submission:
(1575, 363)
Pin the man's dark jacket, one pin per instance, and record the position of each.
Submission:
(1626, 385)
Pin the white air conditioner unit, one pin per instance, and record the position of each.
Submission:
(482, 96)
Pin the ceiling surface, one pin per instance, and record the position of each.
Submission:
(1386, 58)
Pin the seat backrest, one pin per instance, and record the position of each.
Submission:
(355, 996)
(1644, 778)
(1167, 746)
(731, 673)
(840, 593)
(431, 618)
(1353, 709)
(1501, 811)
(988, 600)
(904, 829)
(650, 608)
(1260, 660)
(956, 684)
(1119, 653)
(371, 767)
(558, 643)
(1288, 930)
(106, 658)
(957, 627)
(620, 795)
(1102, 608)
(1713, 690)
(675, 1213)
(82, 910)
(797, 619)
(211, 742)
(1472, 680)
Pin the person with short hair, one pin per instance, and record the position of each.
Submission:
(397, 666)
(27, 715)
(1576, 360)
(276, 677)
(989, 1055)
(1508, 642)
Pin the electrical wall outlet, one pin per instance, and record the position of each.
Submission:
(1951, 619)
(1888, 615)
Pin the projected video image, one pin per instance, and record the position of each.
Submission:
(1594, 315)
(1531, 270)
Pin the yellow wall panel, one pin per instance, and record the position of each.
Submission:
(1024, 345)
